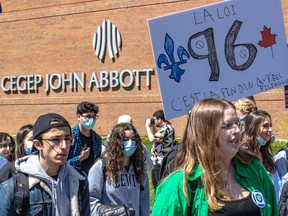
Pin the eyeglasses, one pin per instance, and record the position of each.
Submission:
(232, 127)
(6, 145)
(56, 142)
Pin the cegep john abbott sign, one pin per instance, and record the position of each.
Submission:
(226, 50)
(106, 38)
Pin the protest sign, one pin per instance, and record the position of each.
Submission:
(225, 50)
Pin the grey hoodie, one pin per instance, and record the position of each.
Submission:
(59, 189)
(127, 191)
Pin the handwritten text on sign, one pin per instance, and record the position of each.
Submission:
(226, 50)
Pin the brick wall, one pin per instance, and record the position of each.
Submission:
(46, 37)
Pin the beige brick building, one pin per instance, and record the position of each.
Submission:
(54, 38)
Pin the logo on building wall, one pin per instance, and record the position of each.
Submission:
(107, 38)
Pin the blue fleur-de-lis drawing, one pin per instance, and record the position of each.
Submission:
(176, 71)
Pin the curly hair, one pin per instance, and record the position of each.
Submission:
(199, 145)
(85, 107)
(114, 156)
(246, 105)
(253, 123)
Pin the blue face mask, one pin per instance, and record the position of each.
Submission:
(129, 147)
(241, 118)
(261, 141)
(29, 147)
(89, 123)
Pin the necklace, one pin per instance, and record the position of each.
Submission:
(229, 178)
(227, 175)
(233, 189)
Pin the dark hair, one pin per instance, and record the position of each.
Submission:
(4, 136)
(20, 136)
(115, 157)
(85, 107)
(159, 114)
(249, 138)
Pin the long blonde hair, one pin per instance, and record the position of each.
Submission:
(200, 146)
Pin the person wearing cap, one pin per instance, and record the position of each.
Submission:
(88, 144)
(55, 187)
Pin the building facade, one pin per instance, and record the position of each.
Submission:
(56, 54)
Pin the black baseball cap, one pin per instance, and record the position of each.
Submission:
(44, 123)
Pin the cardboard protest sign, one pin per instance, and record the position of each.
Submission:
(226, 50)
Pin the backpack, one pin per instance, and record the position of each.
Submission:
(21, 193)
(167, 165)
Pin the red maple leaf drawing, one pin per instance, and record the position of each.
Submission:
(268, 39)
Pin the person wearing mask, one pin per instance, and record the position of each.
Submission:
(7, 144)
(88, 144)
(118, 181)
(214, 175)
(257, 138)
(55, 187)
(163, 141)
(24, 141)
(128, 119)
(244, 106)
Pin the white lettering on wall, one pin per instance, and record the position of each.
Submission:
(57, 81)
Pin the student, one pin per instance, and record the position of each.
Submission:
(244, 106)
(24, 141)
(221, 177)
(88, 144)
(6, 156)
(128, 119)
(118, 182)
(55, 187)
(257, 138)
(163, 141)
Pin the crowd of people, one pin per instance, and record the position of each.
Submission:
(222, 165)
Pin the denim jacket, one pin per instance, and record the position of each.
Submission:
(41, 198)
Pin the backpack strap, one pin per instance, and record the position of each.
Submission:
(193, 186)
(286, 151)
(21, 193)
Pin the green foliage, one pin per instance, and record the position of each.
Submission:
(278, 145)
